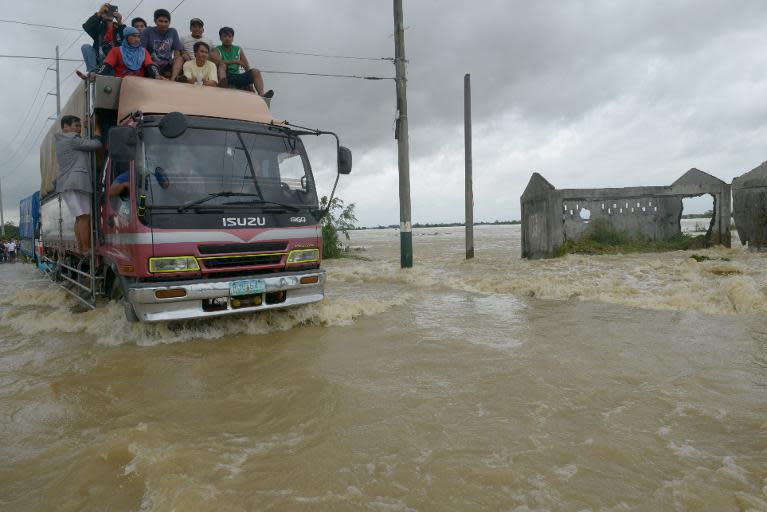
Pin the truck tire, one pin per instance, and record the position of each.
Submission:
(117, 294)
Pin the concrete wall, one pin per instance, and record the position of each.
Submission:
(550, 217)
(749, 193)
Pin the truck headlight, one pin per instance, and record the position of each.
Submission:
(303, 256)
(174, 264)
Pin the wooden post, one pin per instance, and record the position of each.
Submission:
(467, 148)
(403, 147)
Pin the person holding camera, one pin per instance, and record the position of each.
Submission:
(106, 29)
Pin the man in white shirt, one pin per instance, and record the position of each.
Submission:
(200, 71)
(196, 27)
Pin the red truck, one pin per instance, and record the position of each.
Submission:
(217, 213)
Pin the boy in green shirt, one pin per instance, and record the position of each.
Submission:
(233, 67)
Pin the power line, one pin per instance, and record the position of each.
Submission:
(29, 132)
(329, 75)
(177, 5)
(37, 57)
(38, 139)
(17, 22)
(326, 56)
(29, 111)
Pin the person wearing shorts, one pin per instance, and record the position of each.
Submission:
(74, 179)
(233, 67)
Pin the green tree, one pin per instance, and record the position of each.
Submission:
(11, 230)
(339, 219)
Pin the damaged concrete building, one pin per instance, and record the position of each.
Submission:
(551, 217)
(749, 195)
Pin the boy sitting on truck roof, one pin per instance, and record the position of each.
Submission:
(74, 179)
(139, 24)
(200, 70)
(164, 45)
(233, 67)
(196, 31)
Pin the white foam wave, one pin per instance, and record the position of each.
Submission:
(107, 324)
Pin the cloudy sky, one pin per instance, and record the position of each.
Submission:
(588, 93)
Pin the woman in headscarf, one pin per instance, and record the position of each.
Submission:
(129, 59)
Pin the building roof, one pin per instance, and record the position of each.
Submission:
(163, 96)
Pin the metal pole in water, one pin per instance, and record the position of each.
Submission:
(467, 149)
(403, 147)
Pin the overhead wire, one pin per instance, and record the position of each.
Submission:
(17, 22)
(177, 5)
(326, 56)
(20, 127)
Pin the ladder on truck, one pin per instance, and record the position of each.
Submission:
(80, 284)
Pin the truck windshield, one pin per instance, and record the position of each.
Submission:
(238, 168)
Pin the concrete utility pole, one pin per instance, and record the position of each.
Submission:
(58, 84)
(467, 150)
(403, 146)
(2, 219)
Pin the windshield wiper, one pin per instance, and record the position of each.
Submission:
(223, 193)
(262, 201)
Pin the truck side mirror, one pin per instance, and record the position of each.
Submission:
(122, 143)
(344, 160)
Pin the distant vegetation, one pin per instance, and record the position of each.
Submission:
(447, 224)
(603, 239)
(11, 231)
(705, 215)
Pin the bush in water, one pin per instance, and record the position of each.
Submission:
(339, 219)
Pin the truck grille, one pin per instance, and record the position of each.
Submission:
(241, 261)
(251, 247)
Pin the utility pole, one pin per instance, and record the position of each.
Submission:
(2, 219)
(403, 145)
(58, 84)
(467, 149)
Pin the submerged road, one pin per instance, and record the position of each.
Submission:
(584, 383)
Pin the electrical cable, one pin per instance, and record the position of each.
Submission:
(38, 139)
(329, 75)
(16, 22)
(326, 56)
(26, 137)
(177, 5)
(29, 111)
(5, 56)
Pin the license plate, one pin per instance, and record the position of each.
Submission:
(248, 287)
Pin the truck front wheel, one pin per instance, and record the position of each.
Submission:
(117, 294)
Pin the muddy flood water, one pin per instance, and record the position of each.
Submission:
(610, 383)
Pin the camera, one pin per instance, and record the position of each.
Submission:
(111, 10)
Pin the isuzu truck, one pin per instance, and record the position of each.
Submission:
(220, 213)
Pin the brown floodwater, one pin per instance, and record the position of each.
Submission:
(610, 383)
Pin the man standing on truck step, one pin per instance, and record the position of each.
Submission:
(105, 28)
(233, 67)
(74, 179)
(163, 45)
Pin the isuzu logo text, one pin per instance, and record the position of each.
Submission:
(234, 222)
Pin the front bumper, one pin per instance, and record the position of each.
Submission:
(149, 308)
